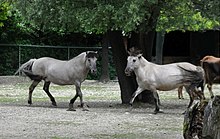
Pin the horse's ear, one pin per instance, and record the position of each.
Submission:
(139, 56)
(96, 54)
(129, 53)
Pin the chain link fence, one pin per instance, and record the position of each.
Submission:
(13, 55)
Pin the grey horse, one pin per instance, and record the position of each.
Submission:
(166, 77)
(71, 72)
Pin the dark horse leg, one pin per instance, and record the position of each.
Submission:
(191, 96)
(31, 89)
(46, 89)
(209, 86)
(180, 92)
(157, 101)
(78, 94)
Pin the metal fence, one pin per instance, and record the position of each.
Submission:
(19, 55)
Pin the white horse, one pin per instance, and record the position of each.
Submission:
(72, 72)
(167, 77)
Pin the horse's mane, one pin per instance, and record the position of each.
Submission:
(134, 51)
(91, 54)
(82, 56)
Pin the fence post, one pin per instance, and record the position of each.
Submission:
(68, 52)
(19, 58)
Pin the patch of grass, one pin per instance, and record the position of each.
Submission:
(122, 136)
(10, 99)
(55, 137)
(171, 129)
(62, 123)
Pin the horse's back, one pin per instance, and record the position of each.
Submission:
(169, 76)
(51, 69)
(211, 59)
(41, 65)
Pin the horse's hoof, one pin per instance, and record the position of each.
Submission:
(29, 105)
(183, 113)
(130, 109)
(29, 102)
(71, 109)
(158, 111)
(85, 109)
(54, 104)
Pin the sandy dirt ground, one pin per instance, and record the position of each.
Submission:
(107, 118)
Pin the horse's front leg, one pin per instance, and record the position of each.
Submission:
(79, 92)
(135, 94)
(71, 103)
(31, 89)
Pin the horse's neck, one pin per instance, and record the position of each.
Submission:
(80, 62)
(142, 67)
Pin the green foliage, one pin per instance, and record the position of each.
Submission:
(94, 16)
(98, 16)
(208, 8)
(4, 12)
(182, 15)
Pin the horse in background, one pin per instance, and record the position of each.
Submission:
(71, 72)
(166, 77)
(211, 66)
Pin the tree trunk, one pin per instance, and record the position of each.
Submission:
(193, 120)
(127, 85)
(202, 120)
(105, 69)
(159, 47)
(146, 42)
(211, 126)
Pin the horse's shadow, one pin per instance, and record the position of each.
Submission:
(115, 106)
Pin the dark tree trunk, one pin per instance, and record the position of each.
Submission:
(211, 125)
(105, 69)
(193, 120)
(146, 44)
(127, 85)
(202, 120)
(159, 47)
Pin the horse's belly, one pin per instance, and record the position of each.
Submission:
(60, 79)
(166, 87)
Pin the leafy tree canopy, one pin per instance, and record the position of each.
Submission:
(185, 15)
(99, 16)
(4, 12)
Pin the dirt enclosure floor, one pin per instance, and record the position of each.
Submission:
(107, 118)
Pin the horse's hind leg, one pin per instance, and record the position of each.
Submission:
(31, 89)
(156, 99)
(209, 86)
(180, 92)
(46, 89)
(191, 96)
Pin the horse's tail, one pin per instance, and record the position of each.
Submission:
(196, 78)
(26, 67)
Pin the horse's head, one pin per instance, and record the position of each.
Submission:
(91, 58)
(133, 61)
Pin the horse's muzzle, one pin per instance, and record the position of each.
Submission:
(94, 71)
(127, 72)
